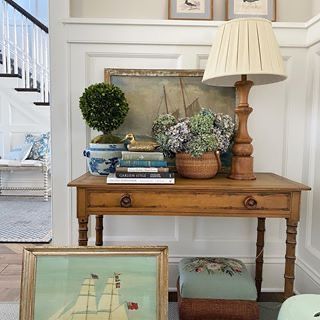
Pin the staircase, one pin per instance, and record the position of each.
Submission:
(24, 55)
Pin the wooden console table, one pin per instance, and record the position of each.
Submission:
(269, 196)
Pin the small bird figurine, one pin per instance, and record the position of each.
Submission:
(133, 145)
(94, 276)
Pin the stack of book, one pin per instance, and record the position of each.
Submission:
(142, 168)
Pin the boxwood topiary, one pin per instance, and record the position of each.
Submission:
(104, 108)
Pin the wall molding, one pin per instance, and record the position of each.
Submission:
(309, 278)
(188, 32)
(76, 42)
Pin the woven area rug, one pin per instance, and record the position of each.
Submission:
(9, 311)
(268, 311)
(25, 219)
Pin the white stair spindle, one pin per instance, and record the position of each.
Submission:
(4, 37)
(34, 57)
(15, 42)
(46, 70)
(27, 55)
(24, 47)
(8, 41)
(23, 54)
(41, 59)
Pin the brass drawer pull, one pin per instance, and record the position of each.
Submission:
(250, 203)
(125, 200)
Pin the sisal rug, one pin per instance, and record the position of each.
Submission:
(25, 219)
(268, 311)
(9, 311)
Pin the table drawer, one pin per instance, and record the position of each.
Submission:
(187, 201)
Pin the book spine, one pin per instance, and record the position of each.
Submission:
(137, 169)
(144, 175)
(149, 156)
(142, 163)
(140, 181)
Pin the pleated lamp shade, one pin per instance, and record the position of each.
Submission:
(244, 47)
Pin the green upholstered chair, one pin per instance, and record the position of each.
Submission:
(301, 307)
(216, 288)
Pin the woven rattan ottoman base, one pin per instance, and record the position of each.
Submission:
(214, 309)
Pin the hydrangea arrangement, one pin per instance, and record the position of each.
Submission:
(206, 131)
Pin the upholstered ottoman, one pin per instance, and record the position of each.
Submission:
(301, 307)
(216, 289)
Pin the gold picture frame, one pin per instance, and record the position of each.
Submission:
(190, 9)
(99, 281)
(151, 92)
(255, 8)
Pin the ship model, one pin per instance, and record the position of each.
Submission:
(87, 308)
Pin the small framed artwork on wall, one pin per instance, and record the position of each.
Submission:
(251, 8)
(190, 9)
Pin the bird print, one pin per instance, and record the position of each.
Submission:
(190, 4)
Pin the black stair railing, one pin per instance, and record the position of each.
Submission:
(24, 46)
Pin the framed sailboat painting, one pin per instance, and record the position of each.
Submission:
(93, 283)
(151, 92)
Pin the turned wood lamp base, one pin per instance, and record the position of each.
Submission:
(242, 168)
(242, 161)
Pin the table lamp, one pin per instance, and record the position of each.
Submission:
(245, 52)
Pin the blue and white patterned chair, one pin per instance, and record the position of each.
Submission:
(33, 154)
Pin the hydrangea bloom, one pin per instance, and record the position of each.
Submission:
(204, 132)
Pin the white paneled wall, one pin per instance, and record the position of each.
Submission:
(82, 48)
(287, 10)
(308, 263)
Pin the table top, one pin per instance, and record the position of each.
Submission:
(264, 182)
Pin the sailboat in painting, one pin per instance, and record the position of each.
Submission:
(188, 109)
(108, 307)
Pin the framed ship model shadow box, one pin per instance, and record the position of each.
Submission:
(94, 283)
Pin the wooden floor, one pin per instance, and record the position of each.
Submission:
(10, 271)
(10, 275)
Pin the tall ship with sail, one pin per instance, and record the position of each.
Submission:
(87, 308)
(189, 109)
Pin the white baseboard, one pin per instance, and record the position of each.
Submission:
(307, 279)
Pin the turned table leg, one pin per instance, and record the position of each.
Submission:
(83, 231)
(290, 257)
(99, 229)
(259, 253)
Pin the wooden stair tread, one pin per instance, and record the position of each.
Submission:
(10, 75)
(42, 104)
(27, 90)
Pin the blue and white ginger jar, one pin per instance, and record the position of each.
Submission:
(102, 158)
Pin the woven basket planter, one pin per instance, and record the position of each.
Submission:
(204, 167)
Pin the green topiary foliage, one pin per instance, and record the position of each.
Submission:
(104, 107)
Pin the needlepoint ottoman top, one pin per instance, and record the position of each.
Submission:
(215, 278)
